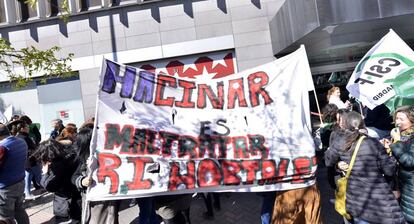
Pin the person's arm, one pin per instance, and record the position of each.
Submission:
(332, 155)
(386, 163)
(2, 155)
(78, 178)
(52, 176)
(404, 153)
(30, 144)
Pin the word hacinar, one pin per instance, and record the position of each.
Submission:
(146, 87)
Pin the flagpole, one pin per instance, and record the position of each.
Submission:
(311, 82)
(317, 105)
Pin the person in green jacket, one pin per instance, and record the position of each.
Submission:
(403, 151)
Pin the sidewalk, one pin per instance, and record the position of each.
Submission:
(240, 208)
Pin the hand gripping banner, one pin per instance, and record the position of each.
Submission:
(156, 134)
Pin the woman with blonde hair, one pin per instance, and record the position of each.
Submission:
(334, 97)
(403, 151)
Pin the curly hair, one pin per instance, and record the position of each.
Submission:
(49, 151)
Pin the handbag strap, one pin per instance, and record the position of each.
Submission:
(351, 164)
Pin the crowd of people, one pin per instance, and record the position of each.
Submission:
(380, 187)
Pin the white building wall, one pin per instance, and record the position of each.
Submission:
(153, 31)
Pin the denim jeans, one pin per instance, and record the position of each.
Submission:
(267, 206)
(11, 203)
(147, 213)
(35, 173)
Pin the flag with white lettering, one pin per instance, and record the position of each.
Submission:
(158, 134)
(385, 61)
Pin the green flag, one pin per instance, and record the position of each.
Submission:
(403, 85)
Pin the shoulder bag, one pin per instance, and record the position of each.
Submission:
(340, 194)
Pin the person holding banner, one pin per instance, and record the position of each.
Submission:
(369, 198)
(334, 97)
(403, 151)
(99, 211)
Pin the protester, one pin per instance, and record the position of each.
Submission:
(57, 125)
(15, 117)
(297, 206)
(59, 164)
(332, 173)
(403, 151)
(266, 211)
(96, 212)
(68, 134)
(34, 132)
(211, 199)
(172, 207)
(13, 154)
(378, 121)
(147, 213)
(32, 169)
(369, 198)
(329, 114)
(334, 97)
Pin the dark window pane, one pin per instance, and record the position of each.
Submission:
(86, 4)
(25, 11)
(53, 7)
(93, 3)
(119, 2)
(2, 12)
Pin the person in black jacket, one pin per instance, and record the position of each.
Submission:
(378, 121)
(369, 198)
(34, 132)
(403, 151)
(99, 211)
(32, 169)
(59, 163)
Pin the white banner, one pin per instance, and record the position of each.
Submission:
(382, 62)
(159, 134)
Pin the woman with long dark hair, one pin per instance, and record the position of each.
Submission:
(59, 163)
(99, 211)
(369, 197)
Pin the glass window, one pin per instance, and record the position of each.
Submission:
(121, 2)
(86, 4)
(53, 7)
(2, 12)
(25, 11)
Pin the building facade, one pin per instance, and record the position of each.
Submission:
(187, 38)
